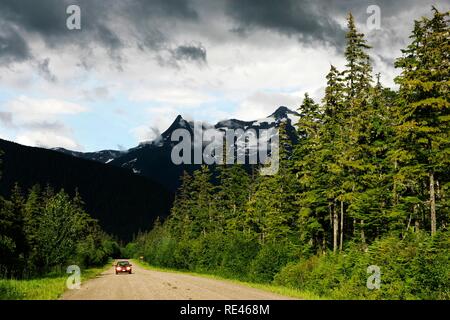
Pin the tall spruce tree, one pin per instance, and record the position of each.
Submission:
(333, 141)
(179, 221)
(232, 195)
(271, 210)
(423, 131)
(357, 113)
(203, 209)
(309, 171)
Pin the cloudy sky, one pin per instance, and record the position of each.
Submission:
(136, 64)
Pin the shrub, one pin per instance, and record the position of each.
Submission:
(269, 260)
(416, 267)
(239, 250)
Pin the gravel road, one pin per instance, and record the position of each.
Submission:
(155, 285)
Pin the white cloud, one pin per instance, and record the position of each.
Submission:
(26, 109)
(261, 104)
(48, 139)
(145, 133)
(171, 95)
(40, 122)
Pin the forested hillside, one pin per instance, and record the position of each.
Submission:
(367, 184)
(121, 201)
(43, 231)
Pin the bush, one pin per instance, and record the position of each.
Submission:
(238, 252)
(416, 267)
(8, 291)
(185, 257)
(209, 252)
(269, 261)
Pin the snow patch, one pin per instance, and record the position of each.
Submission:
(268, 120)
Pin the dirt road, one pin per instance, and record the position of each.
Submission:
(154, 285)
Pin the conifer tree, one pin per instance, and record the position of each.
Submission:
(178, 223)
(423, 136)
(232, 195)
(358, 113)
(309, 171)
(333, 141)
(203, 205)
(271, 211)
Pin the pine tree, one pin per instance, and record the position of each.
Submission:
(309, 171)
(271, 209)
(424, 110)
(178, 223)
(32, 214)
(358, 72)
(232, 195)
(13, 246)
(203, 208)
(333, 141)
(358, 112)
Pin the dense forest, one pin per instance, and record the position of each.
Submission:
(367, 183)
(44, 231)
(107, 191)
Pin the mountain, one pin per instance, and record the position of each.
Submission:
(123, 202)
(104, 156)
(153, 159)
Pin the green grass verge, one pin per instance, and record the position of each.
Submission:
(284, 291)
(49, 287)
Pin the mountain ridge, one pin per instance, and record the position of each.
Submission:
(123, 202)
(152, 158)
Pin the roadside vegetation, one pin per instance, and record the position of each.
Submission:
(44, 231)
(47, 287)
(367, 184)
(41, 233)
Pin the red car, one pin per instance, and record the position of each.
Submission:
(123, 266)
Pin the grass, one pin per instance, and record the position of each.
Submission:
(49, 287)
(284, 291)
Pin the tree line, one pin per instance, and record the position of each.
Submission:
(366, 183)
(43, 231)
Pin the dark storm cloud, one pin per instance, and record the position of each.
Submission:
(317, 20)
(302, 19)
(190, 52)
(388, 8)
(178, 9)
(47, 19)
(13, 47)
(151, 25)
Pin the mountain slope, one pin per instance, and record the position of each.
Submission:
(123, 202)
(153, 159)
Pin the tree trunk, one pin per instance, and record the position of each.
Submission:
(432, 204)
(363, 236)
(394, 191)
(330, 211)
(335, 228)
(341, 243)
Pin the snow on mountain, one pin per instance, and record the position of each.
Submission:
(153, 158)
